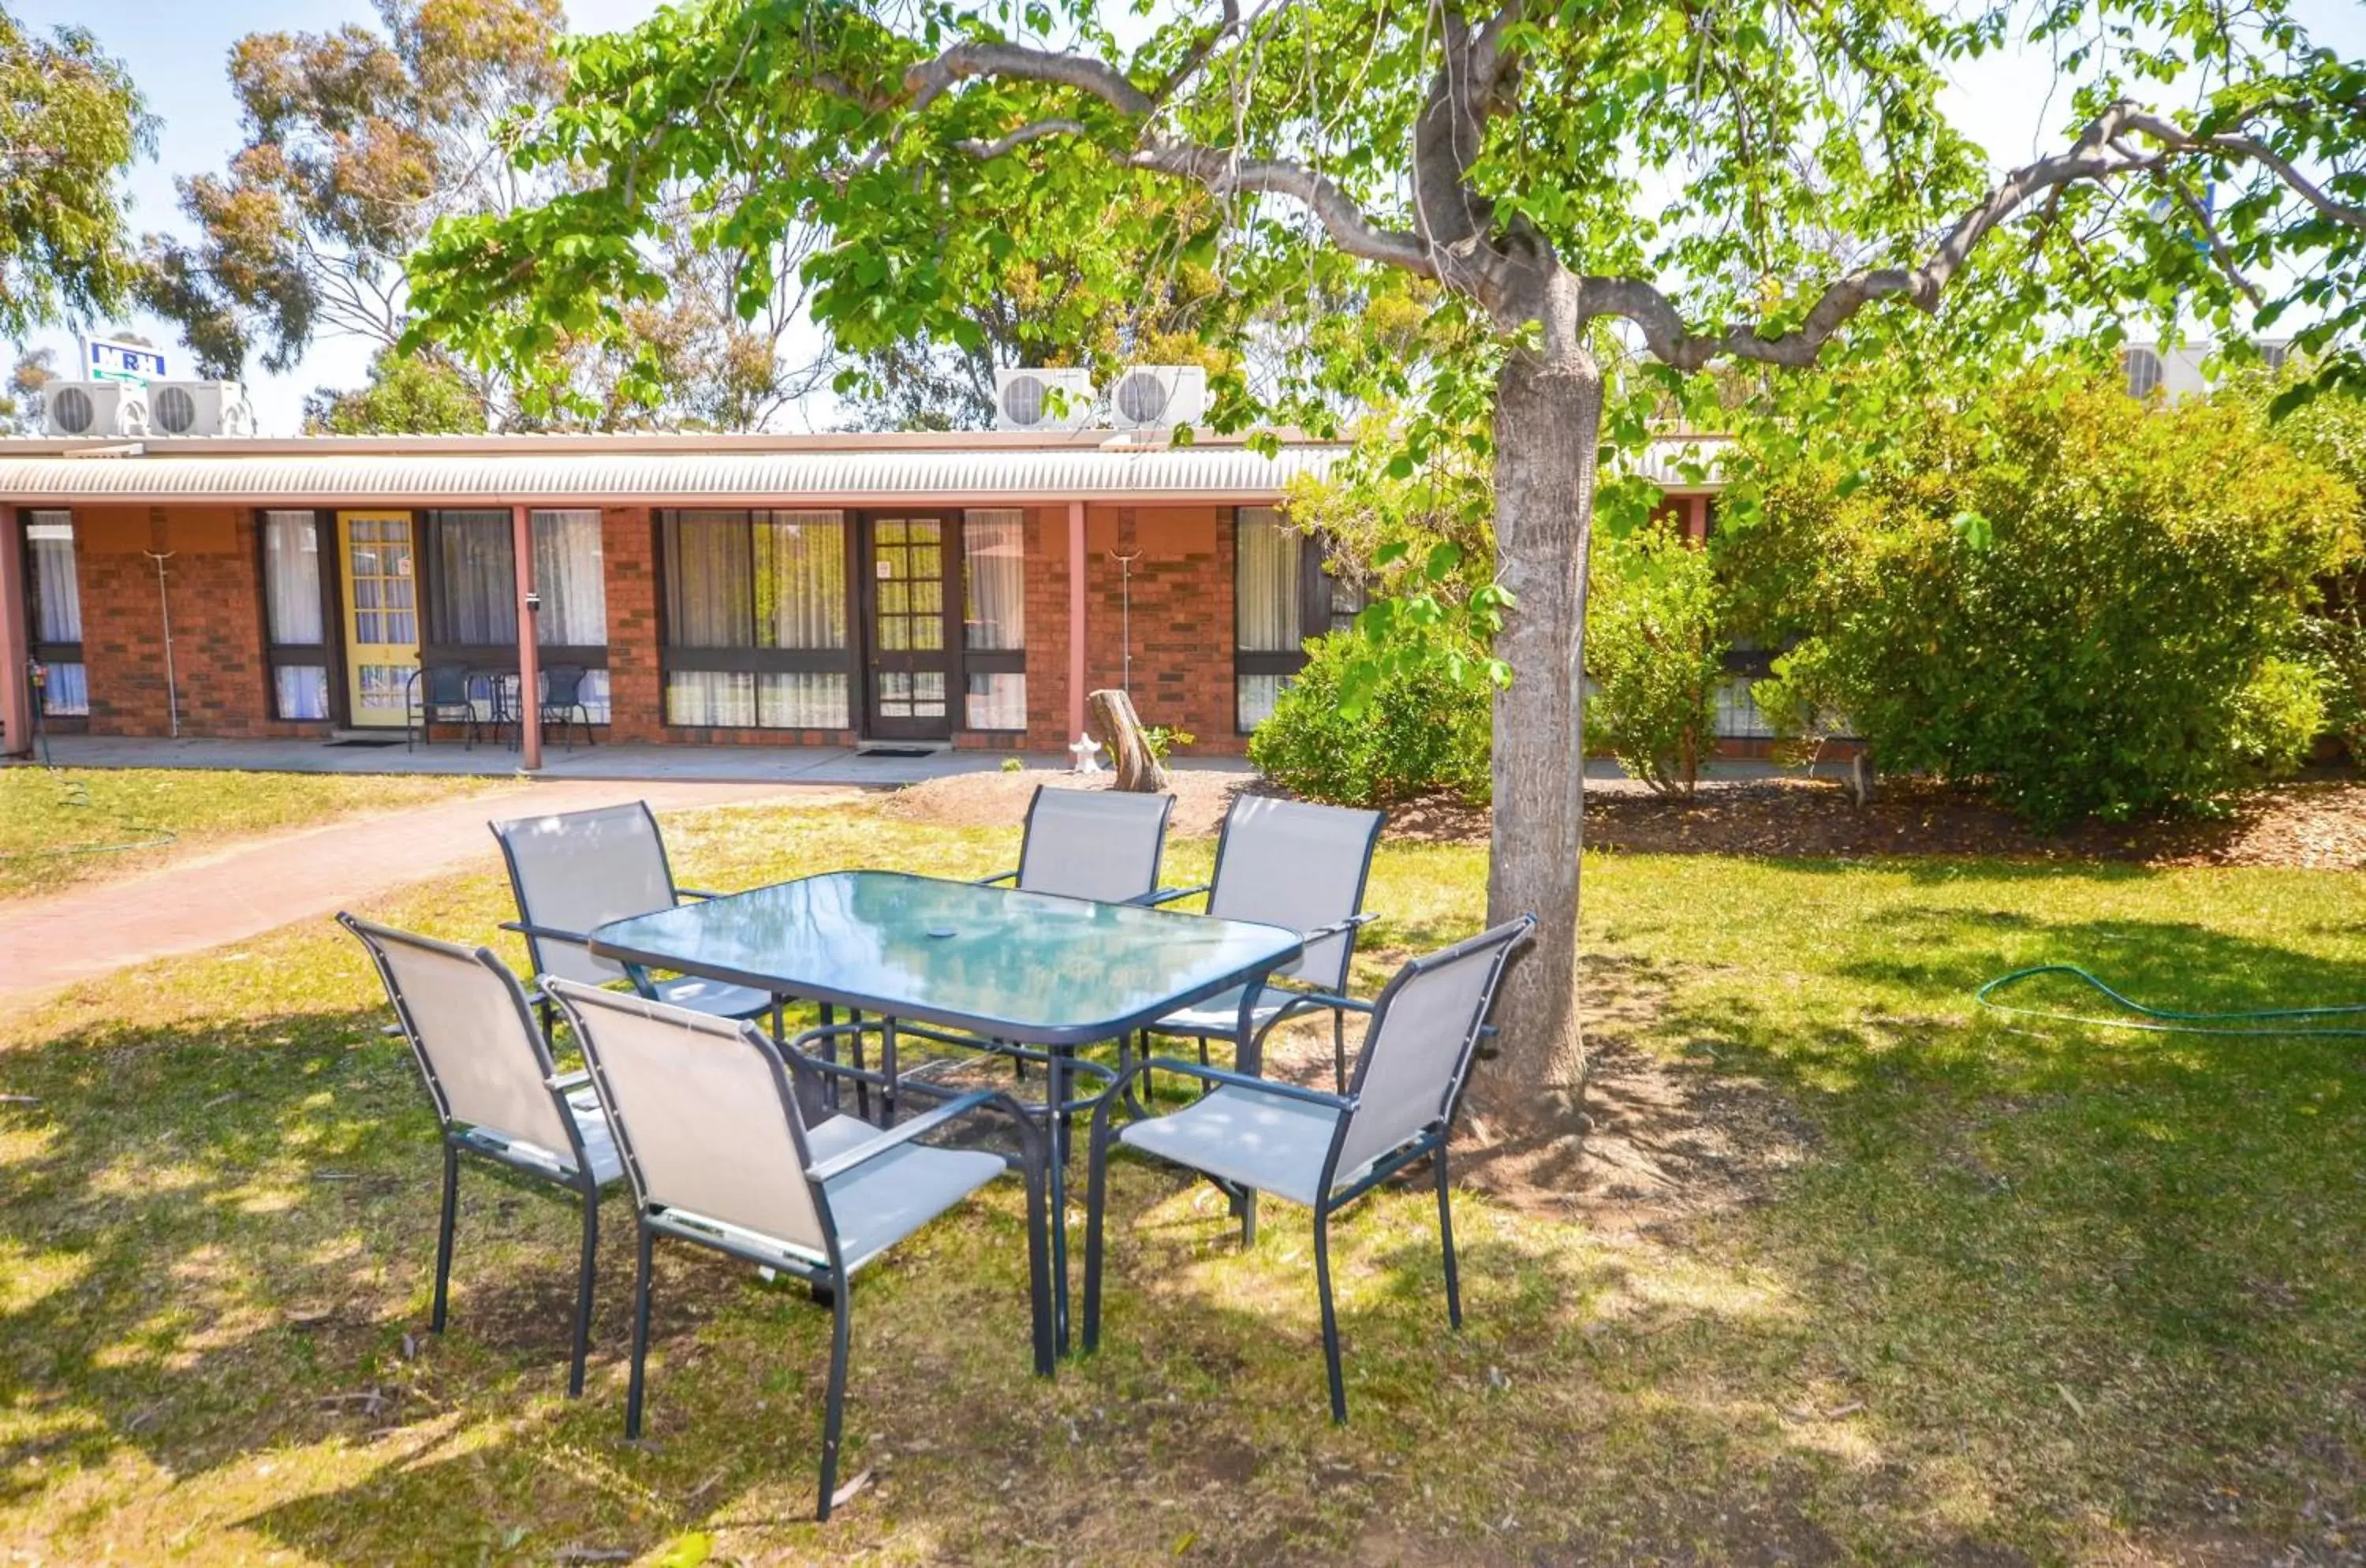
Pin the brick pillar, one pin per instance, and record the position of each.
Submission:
(529, 605)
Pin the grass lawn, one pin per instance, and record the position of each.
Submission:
(2026, 1293)
(60, 826)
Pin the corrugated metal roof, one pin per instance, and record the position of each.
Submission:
(1220, 473)
(1666, 458)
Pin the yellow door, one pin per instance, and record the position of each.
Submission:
(381, 615)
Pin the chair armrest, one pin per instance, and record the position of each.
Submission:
(1241, 1080)
(1323, 998)
(1336, 926)
(899, 1134)
(547, 933)
(1166, 896)
(997, 876)
(700, 893)
(561, 1082)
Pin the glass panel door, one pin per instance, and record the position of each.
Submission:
(381, 615)
(907, 694)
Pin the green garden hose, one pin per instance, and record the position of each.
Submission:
(2167, 1021)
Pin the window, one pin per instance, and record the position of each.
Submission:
(471, 590)
(294, 627)
(994, 620)
(2144, 371)
(1281, 596)
(56, 612)
(570, 574)
(755, 619)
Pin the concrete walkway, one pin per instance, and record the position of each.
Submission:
(258, 886)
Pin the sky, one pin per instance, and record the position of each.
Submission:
(178, 49)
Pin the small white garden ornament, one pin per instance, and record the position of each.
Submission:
(1087, 751)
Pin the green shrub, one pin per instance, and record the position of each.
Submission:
(2079, 602)
(1655, 652)
(1419, 730)
(2277, 718)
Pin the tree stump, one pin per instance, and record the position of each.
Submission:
(1114, 723)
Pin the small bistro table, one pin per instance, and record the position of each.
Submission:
(1002, 968)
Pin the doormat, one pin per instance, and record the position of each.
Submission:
(369, 743)
(897, 751)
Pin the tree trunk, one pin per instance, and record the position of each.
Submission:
(1115, 725)
(1548, 423)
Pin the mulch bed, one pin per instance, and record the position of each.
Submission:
(2319, 824)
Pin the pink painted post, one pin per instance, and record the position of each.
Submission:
(1697, 526)
(16, 647)
(529, 654)
(1076, 617)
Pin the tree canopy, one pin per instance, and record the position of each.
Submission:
(1753, 181)
(71, 125)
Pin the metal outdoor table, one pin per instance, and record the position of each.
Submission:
(998, 965)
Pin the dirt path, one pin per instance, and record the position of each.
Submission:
(262, 884)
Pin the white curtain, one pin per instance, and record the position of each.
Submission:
(994, 561)
(717, 698)
(800, 571)
(814, 699)
(291, 578)
(57, 601)
(569, 573)
(995, 702)
(709, 587)
(302, 691)
(475, 598)
(1264, 583)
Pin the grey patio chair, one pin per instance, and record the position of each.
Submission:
(1253, 1135)
(1286, 862)
(489, 1076)
(1103, 844)
(573, 872)
(711, 1119)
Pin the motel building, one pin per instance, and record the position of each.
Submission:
(927, 590)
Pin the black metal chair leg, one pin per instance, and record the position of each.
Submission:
(1039, 1264)
(1339, 1048)
(444, 1235)
(1330, 1317)
(1096, 1213)
(1248, 1217)
(584, 1293)
(1446, 1235)
(834, 1413)
(640, 1337)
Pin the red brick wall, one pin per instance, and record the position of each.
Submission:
(1182, 626)
(1182, 621)
(214, 582)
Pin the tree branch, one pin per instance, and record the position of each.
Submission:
(1222, 173)
(2097, 156)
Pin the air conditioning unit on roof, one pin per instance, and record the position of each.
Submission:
(1158, 397)
(1042, 400)
(198, 408)
(95, 409)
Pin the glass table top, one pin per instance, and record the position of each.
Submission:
(1020, 967)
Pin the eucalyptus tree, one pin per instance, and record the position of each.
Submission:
(72, 122)
(1705, 181)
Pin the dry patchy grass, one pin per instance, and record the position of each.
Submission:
(1858, 1277)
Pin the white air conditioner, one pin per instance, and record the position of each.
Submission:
(1042, 400)
(1158, 397)
(198, 408)
(95, 408)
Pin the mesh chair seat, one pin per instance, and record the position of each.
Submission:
(591, 1125)
(877, 1204)
(1246, 1137)
(715, 998)
(1220, 1014)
